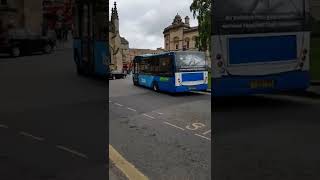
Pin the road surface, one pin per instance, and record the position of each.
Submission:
(267, 137)
(53, 123)
(163, 136)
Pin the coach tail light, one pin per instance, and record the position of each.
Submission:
(301, 65)
(305, 52)
(220, 64)
(218, 57)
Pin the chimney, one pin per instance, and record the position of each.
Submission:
(187, 20)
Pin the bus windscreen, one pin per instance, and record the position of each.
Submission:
(186, 61)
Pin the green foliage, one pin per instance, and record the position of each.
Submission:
(201, 10)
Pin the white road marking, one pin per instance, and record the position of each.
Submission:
(203, 137)
(132, 109)
(158, 112)
(118, 104)
(206, 132)
(31, 136)
(4, 126)
(72, 151)
(148, 116)
(174, 126)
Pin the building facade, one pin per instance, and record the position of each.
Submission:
(180, 35)
(24, 14)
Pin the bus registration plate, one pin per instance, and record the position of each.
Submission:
(261, 84)
(192, 88)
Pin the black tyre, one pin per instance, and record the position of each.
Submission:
(47, 49)
(80, 70)
(155, 87)
(15, 51)
(135, 82)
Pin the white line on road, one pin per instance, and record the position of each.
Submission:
(31, 136)
(132, 109)
(148, 116)
(203, 137)
(206, 132)
(72, 151)
(174, 126)
(118, 104)
(4, 126)
(158, 112)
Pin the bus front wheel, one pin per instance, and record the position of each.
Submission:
(155, 87)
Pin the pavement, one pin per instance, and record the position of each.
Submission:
(163, 136)
(52, 121)
(267, 137)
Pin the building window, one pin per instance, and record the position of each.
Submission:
(4, 2)
(177, 46)
(188, 44)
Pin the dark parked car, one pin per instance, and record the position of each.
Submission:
(21, 42)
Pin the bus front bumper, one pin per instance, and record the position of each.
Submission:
(200, 87)
(242, 85)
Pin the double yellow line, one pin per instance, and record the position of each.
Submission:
(126, 167)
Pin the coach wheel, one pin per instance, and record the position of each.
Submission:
(47, 49)
(15, 52)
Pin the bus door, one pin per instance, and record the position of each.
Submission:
(135, 71)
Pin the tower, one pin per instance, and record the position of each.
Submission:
(187, 21)
(115, 18)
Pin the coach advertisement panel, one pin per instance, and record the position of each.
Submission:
(260, 16)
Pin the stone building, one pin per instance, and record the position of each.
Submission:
(22, 14)
(181, 36)
(119, 46)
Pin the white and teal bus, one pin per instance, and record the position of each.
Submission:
(260, 46)
(174, 72)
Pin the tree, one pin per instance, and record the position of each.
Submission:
(201, 10)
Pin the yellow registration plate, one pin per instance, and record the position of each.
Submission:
(261, 84)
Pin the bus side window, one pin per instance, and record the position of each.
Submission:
(166, 66)
(156, 68)
(142, 66)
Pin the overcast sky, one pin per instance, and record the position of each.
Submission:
(142, 21)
